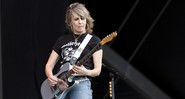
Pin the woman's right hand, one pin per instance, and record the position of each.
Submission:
(53, 80)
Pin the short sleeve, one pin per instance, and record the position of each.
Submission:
(96, 41)
(57, 46)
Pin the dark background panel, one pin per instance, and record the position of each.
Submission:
(153, 42)
(1, 84)
(162, 55)
(29, 30)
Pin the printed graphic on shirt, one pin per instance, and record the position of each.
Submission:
(68, 51)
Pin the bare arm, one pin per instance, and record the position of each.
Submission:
(97, 59)
(53, 58)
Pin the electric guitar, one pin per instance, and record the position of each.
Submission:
(65, 73)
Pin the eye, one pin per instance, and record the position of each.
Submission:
(82, 18)
(76, 19)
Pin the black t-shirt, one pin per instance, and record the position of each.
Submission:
(66, 46)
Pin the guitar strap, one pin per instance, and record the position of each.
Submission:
(80, 49)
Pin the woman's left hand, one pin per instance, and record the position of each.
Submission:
(80, 71)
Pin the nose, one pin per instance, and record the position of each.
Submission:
(80, 21)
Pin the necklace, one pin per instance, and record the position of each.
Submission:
(76, 38)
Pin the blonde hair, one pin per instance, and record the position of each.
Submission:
(82, 11)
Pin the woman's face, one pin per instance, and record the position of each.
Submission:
(78, 23)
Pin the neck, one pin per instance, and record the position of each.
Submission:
(79, 33)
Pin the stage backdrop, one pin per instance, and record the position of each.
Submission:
(153, 45)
